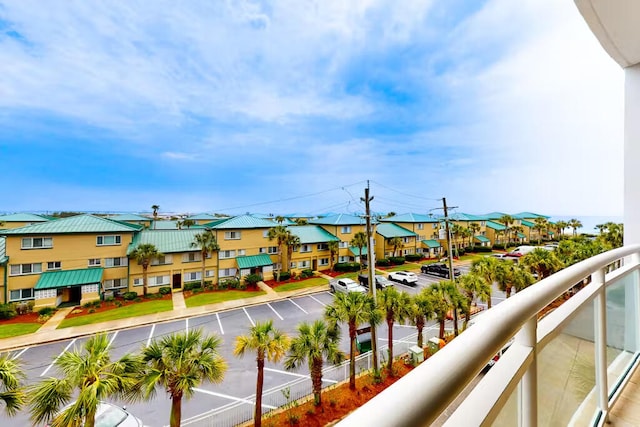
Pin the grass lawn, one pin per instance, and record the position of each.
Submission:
(215, 297)
(15, 329)
(404, 267)
(139, 309)
(352, 275)
(316, 281)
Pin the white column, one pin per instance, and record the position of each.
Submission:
(632, 155)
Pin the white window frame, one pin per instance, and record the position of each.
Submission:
(21, 269)
(322, 247)
(345, 229)
(22, 297)
(305, 248)
(227, 254)
(94, 262)
(163, 280)
(209, 273)
(227, 272)
(111, 283)
(192, 276)
(192, 257)
(420, 226)
(343, 259)
(44, 243)
(232, 235)
(323, 261)
(111, 262)
(166, 259)
(117, 240)
(344, 245)
(54, 265)
(304, 264)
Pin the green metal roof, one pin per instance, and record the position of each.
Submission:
(22, 217)
(410, 218)
(527, 223)
(130, 218)
(522, 236)
(64, 278)
(243, 221)
(524, 215)
(481, 239)
(493, 215)
(203, 217)
(171, 225)
(356, 251)
(459, 216)
(167, 241)
(74, 224)
(495, 225)
(389, 230)
(339, 219)
(312, 234)
(431, 243)
(253, 261)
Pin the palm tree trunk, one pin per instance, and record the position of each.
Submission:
(257, 417)
(352, 356)
(176, 411)
(316, 380)
(390, 338)
(420, 327)
(455, 322)
(144, 281)
(441, 328)
(90, 420)
(204, 256)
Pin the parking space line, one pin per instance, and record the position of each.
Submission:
(186, 325)
(220, 324)
(54, 360)
(20, 353)
(250, 319)
(226, 396)
(113, 337)
(294, 303)
(294, 374)
(405, 326)
(274, 310)
(153, 328)
(317, 300)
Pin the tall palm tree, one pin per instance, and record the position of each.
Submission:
(314, 343)
(422, 310)
(473, 285)
(541, 225)
(560, 226)
(188, 223)
(466, 234)
(475, 228)
(11, 393)
(516, 229)
(279, 234)
(486, 268)
(504, 277)
(334, 247)
(207, 244)
(440, 303)
(522, 278)
(396, 243)
(359, 241)
(143, 254)
(155, 209)
(507, 220)
(397, 308)
(575, 224)
(179, 363)
(292, 243)
(269, 343)
(88, 373)
(543, 262)
(354, 309)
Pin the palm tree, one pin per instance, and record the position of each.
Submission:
(269, 343)
(422, 310)
(279, 219)
(504, 277)
(334, 247)
(440, 303)
(155, 209)
(207, 244)
(397, 308)
(396, 243)
(88, 373)
(314, 343)
(143, 254)
(521, 278)
(486, 268)
(359, 241)
(507, 220)
(179, 363)
(279, 234)
(302, 221)
(560, 226)
(516, 229)
(466, 233)
(293, 243)
(543, 262)
(473, 285)
(574, 224)
(475, 228)
(354, 309)
(11, 393)
(188, 223)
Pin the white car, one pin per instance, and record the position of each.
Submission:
(345, 286)
(110, 415)
(405, 277)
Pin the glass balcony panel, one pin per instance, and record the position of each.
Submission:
(508, 416)
(566, 374)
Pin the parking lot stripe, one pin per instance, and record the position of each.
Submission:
(296, 375)
(54, 360)
(20, 353)
(226, 396)
(274, 310)
(113, 337)
(294, 303)
(250, 319)
(186, 325)
(317, 300)
(153, 328)
(220, 324)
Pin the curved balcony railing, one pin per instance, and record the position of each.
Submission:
(566, 369)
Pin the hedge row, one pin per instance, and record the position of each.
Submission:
(347, 266)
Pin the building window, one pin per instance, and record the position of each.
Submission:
(406, 239)
(343, 259)
(292, 264)
(90, 289)
(305, 248)
(108, 240)
(345, 229)
(420, 226)
(192, 276)
(227, 254)
(324, 261)
(209, 273)
(22, 269)
(241, 252)
(228, 272)
(192, 257)
(269, 250)
(21, 294)
(303, 264)
(94, 262)
(54, 265)
(162, 260)
(115, 262)
(322, 247)
(115, 283)
(37, 243)
(231, 235)
(152, 281)
(46, 293)
(344, 245)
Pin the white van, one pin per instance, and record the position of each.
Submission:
(520, 251)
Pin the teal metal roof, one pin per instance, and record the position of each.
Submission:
(410, 218)
(75, 224)
(22, 217)
(459, 216)
(521, 236)
(242, 221)
(130, 218)
(526, 215)
(253, 261)
(311, 234)
(527, 223)
(493, 215)
(495, 225)
(356, 251)
(339, 219)
(64, 278)
(203, 217)
(431, 243)
(389, 230)
(171, 225)
(167, 241)
(481, 239)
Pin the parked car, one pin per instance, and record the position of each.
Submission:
(441, 270)
(110, 415)
(345, 286)
(520, 251)
(381, 281)
(405, 277)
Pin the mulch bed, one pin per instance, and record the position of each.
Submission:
(110, 305)
(22, 318)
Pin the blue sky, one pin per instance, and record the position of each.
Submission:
(290, 106)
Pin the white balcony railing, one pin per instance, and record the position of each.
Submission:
(566, 369)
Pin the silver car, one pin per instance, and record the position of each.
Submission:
(110, 415)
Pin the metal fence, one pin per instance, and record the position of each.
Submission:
(236, 413)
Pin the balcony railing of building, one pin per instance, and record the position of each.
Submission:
(568, 368)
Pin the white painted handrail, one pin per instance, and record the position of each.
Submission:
(420, 397)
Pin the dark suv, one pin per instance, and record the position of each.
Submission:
(439, 270)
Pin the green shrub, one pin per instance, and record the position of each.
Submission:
(397, 260)
(498, 246)
(478, 249)
(91, 304)
(230, 284)
(383, 262)
(91, 310)
(197, 290)
(43, 319)
(347, 266)
(137, 299)
(252, 279)
(47, 311)
(7, 311)
(164, 290)
(285, 275)
(119, 304)
(130, 296)
(413, 257)
(242, 286)
(109, 299)
(461, 251)
(305, 274)
(189, 286)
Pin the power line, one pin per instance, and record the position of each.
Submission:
(431, 199)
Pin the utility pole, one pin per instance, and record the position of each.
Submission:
(371, 276)
(448, 231)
